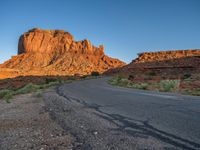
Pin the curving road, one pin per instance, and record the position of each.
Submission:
(171, 118)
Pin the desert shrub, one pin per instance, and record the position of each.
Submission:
(169, 85)
(4, 92)
(8, 97)
(115, 80)
(119, 78)
(187, 76)
(112, 81)
(48, 80)
(142, 86)
(131, 77)
(27, 89)
(123, 81)
(8, 94)
(52, 84)
(95, 73)
(195, 92)
(120, 81)
(43, 86)
(152, 73)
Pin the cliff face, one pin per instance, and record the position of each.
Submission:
(166, 55)
(55, 52)
(55, 41)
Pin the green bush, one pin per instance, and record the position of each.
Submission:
(27, 89)
(120, 81)
(116, 80)
(169, 85)
(49, 80)
(50, 84)
(195, 92)
(131, 77)
(142, 86)
(4, 92)
(8, 94)
(95, 73)
(119, 78)
(8, 97)
(187, 76)
(152, 73)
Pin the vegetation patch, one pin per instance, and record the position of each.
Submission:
(195, 92)
(163, 85)
(187, 76)
(8, 94)
(169, 85)
(121, 81)
(95, 73)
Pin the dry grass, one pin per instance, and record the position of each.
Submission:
(8, 94)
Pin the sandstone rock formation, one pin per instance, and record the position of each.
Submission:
(166, 64)
(55, 41)
(166, 55)
(55, 52)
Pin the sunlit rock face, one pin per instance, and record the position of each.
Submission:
(166, 55)
(55, 41)
(55, 52)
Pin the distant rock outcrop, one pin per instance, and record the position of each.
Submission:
(55, 52)
(166, 55)
(165, 64)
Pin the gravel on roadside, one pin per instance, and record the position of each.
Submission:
(25, 124)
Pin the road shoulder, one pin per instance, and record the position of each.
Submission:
(25, 124)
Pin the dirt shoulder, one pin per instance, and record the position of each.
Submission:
(25, 124)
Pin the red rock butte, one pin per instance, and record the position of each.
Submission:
(55, 52)
(55, 41)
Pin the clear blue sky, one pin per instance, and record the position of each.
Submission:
(125, 27)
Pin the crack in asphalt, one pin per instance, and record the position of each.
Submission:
(129, 125)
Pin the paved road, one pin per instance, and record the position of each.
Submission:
(172, 118)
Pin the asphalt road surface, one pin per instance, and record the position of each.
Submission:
(171, 118)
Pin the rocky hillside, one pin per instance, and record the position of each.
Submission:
(166, 64)
(55, 52)
(166, 55)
